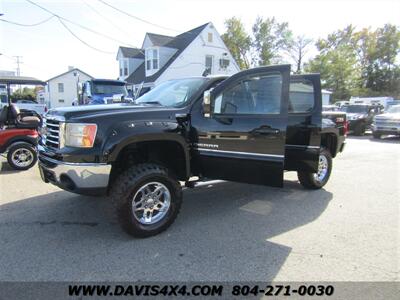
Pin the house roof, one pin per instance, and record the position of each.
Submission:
(159, 39)
(180, 42)
(132, 52)
(72, 70)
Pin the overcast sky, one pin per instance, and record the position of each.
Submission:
(48, 49)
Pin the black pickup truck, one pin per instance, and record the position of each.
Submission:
(249, 127)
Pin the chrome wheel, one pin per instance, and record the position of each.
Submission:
(151, 203)
(322, 169)
(22, 157)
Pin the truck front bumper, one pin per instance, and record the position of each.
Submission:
(80, 178)
(386, 128)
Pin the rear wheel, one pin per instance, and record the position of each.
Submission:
(147, 199)
(318, 180)
(21, 156)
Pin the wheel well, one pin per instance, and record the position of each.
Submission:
(169, 154)
(329, 141)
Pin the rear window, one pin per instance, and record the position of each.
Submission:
(301, 97)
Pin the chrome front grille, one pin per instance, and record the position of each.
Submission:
(51, 133)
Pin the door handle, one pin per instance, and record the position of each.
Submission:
(266, 131)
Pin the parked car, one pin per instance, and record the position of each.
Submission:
(249, 127)
(104, 91)
(330, 108)
(360, 117)
(25, 105)
(30, 105)
(387, 123)
(342, 103)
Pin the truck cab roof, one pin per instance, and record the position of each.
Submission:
(108, 81)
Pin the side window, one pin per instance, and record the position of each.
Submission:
(301, 97)
(255, 95)
(61, 87)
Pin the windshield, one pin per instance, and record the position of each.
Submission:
(355, 109)
(113, 89)
(394, 109)
(173, 92)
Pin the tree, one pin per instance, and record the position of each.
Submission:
(338, 64)
(271, 39)
(25, 93)
(237, 41)
(377, 51)
(298, 49)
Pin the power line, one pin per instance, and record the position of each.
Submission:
(135, 17)
(105, 17)
(82, 41)
(27, 25)
(77, 24)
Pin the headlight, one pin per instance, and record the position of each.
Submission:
(80, 135)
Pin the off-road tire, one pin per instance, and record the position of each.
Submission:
(25, 146)
(308, 180)
(128, 183)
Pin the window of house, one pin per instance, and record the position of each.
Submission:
(155, 59)
(301, 97)
(61, 100)
(61, 87)
(120, 71)
(210, 37)
(152, 59)
(256, 95)
(125, 68)
(209, 63)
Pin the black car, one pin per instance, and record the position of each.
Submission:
(249, 127)
(360, 117)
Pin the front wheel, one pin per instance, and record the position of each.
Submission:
(147, 199)
(360, 129)
(317, 180)
(21, 156)
(376, 135)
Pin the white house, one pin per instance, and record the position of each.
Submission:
(193, 53)
(326, 97)
(62, 89)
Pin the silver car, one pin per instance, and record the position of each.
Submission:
(387, 123)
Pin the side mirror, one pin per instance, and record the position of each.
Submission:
(207, 103)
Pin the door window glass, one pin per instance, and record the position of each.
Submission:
(301, 97)
(256, 95)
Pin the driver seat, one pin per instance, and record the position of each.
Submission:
(22, 121)
(3, 116)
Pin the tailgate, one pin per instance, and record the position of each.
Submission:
(339, 118)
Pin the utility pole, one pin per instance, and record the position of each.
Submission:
(19, 62)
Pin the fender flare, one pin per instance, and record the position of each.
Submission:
(18, 140)
(114, 150)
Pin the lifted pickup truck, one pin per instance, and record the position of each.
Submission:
(249, 127)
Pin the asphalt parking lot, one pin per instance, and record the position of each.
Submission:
(348, 231)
